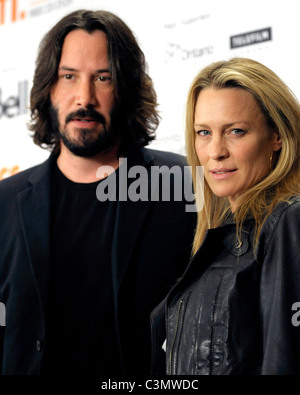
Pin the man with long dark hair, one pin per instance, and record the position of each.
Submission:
(79, 274)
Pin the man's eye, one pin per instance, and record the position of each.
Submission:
(104, 78)
(237, 132)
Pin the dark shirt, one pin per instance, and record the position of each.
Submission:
(80, 331)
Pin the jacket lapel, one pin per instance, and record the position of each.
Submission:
(129, 219)
(34, 210)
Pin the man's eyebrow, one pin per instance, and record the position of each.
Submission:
(67, 68)
(103, 71)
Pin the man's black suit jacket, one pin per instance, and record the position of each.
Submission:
(151, 248)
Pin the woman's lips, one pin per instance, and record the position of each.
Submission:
(222, 174)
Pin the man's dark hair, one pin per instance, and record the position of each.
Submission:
(133, 88)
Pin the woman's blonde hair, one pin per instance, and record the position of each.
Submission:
(282, 112)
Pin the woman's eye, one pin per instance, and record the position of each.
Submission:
(203, 132)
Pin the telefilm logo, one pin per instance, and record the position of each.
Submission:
(250, 38)
(161, 183)
(2, 314)
(14, 105)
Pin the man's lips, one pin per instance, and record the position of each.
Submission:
(87, 122)
(84, 119)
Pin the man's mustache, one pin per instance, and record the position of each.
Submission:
(86, 113)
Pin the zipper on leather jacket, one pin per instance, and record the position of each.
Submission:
(177, 335)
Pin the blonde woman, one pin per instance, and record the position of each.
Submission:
(236, 309)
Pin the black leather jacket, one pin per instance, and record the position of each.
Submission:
(236, 312)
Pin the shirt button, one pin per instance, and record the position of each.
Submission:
(38, 345)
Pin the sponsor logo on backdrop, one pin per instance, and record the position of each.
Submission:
(180, 29)
(11, 12)
(174, 50)
(187, 21)
(8, 171)
(251, 38)
(14, 105)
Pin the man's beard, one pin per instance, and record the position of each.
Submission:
(88, 143)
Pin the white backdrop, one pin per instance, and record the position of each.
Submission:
(177, 37)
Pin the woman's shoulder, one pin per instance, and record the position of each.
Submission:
(291, 205)
(286, 214)
(281, 224)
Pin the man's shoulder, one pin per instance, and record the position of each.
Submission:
(19, 181)
(164, 158)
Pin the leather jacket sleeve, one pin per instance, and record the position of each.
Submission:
(280, 292)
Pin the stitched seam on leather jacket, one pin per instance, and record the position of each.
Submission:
(272, 222)
(212, 343)
(177, 335)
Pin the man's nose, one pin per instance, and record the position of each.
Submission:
(85, 95)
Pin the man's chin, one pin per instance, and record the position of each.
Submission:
(87, 143)
(88, 150)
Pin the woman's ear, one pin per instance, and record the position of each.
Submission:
(277, 144)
